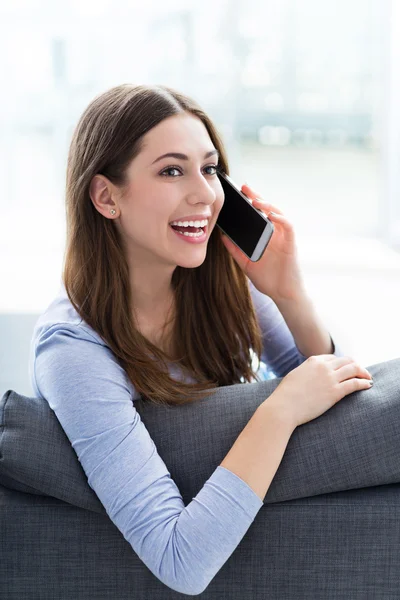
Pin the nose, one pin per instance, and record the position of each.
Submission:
(202, 190)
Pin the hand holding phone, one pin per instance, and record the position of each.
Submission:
(277, 274)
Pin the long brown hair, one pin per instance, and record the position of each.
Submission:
(216, 328)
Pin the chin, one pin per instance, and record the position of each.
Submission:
(191, 262)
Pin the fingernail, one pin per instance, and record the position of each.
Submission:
(371, 382)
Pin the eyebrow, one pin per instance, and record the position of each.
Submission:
(183, 156)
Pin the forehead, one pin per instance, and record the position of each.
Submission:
(179, 133)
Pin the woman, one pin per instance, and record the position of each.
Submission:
(144, 310)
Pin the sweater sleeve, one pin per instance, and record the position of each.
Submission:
(91, 395)
(279, 352)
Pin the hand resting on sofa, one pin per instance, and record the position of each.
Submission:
(355, 444)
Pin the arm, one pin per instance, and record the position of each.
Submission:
(308, 331)
(183, 546)
(280, 351)
(258, 451)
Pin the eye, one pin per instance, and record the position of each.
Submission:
(215, 167)
(166, 172)
(163, 173)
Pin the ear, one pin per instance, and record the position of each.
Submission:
(101, 194)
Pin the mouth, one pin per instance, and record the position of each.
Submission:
(191, 234)
(192, 230)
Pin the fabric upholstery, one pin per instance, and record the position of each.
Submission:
(329, 530)
(355, 444)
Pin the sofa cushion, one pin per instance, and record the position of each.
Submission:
(353, 445)
(339, 546)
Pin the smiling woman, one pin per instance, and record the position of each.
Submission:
(142, 220)
(133, 262)
(146, 311)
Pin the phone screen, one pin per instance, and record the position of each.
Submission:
(239, 219)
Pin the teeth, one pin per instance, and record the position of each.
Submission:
(190, 223)
(189, 234)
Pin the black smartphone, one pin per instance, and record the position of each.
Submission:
(245, 225)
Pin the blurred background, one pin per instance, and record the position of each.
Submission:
(306, 95)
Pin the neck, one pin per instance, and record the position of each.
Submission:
(151, 290)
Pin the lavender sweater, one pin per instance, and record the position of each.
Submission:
(93, 399)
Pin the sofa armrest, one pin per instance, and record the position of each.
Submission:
(353, 445)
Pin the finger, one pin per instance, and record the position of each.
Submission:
(250, 192)
(352, 370)
(340, 361)
(343, 361)
(258, 200)
(288, 231)
(353, 385)
(263, 205)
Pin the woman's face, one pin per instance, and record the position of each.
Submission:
(165, 189)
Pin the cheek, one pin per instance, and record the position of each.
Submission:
(150, 206)
(219, 201)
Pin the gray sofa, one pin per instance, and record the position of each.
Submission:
(329, 527)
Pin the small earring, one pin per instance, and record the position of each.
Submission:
(112, 211)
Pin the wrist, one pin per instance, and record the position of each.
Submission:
(274, 409)
(297, 297)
